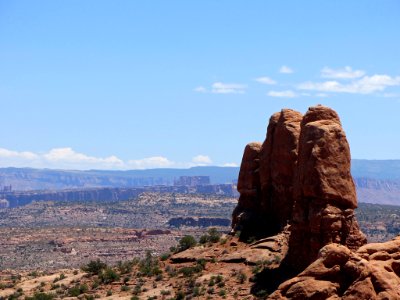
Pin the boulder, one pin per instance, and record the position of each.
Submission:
(371, 272)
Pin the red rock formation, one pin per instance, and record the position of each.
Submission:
(372, 272)
(324, 190)
(300, 175)
(278, 159)
(244, 217)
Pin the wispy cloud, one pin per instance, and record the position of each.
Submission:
(67, 158)
(265, 80)
(282, 94)
(200, 89)
(228, 88)
(344, 73)
(364, 85)
(202, 160)
(230, 165)
(223, 88)
(150, 162)
(286, 70)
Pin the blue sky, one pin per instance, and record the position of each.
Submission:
(142, 84)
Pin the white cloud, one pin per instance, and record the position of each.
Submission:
(150, 162)
(201, 160)
(222, 88)
(286, 70)
(67, 158)
(4, 153)
(230, 165)
(265, 80)
(228, 88)
(344, 73)
(200, 89)
(364, 85)
(282, 94)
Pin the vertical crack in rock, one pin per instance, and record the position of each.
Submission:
(299, 176)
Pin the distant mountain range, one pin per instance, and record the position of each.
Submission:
(45, 179)
(377, 181)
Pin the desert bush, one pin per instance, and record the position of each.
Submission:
(189, 271)
(165, 293)
(212, 236)
(108, 275)
(77, 290)
(164, 256)
(125, 267)
(241, 277)
(40, 296)
(222, 293)
(124, 288)
(94, 267)
(149, 266)
(188, 241)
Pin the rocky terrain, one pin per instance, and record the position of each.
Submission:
(294, 234)
(51, 235)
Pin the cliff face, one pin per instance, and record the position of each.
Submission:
(299, 176)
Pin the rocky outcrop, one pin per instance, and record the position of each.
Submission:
(300, 175)
(372, 272)
(246, 216)
(278, 159)
(324, 191)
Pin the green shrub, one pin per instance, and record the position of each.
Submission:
(94, 267)
(188, 241)
(165, 256)
(241, 277)
(165, 293)
(109, 293)
(125, 267)
(108, 275)
(180, 295)
(214, 235)
(95, 284)
(77, 290)
(124, 288)
(41, 296)
(149, 266)
(203, 239)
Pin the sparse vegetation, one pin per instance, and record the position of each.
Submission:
(149, 266)
(188, 241)
(108, 275)
(40, 296)
(212, 236)
(95, 267)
